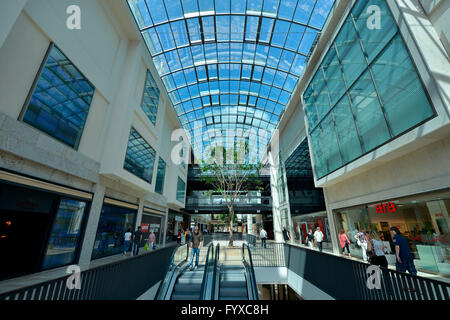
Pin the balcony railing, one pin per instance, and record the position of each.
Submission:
(220, 201)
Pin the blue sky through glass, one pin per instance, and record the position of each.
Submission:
(229, 64)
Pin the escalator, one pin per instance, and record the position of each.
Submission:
(181, 284)
(212, 280)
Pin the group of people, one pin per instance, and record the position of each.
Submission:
(373, 249)
(136, 239)
(183, 236)
(315, 238)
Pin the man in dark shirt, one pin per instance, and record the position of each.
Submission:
(286, 234)
(196, 244)
(137, 238)
(405, 259)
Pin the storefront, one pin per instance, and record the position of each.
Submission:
(176, 221)
(41, 224)
(152, 221)
(422, 219)
(115, 219)
(302, 224)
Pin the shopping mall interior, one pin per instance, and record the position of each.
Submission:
(305, 140)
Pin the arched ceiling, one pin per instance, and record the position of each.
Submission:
(229, 65)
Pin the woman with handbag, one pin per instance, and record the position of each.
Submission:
(344, 241)
(375, 250)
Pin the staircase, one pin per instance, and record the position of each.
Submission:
(188, 285)
(233, 285)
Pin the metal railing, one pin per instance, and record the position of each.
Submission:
(270, 256)
(220, 201)
(252, 287)
(251, 239)
(208, 283)
(125, 280)
(347, 279)
(179, 256)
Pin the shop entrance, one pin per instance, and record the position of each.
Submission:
(25, 221)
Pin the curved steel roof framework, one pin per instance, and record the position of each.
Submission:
(229, 65)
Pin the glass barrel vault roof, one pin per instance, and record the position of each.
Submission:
(229, 65)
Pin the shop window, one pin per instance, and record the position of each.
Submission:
(65, 235)
(114, 222)
(60, 101)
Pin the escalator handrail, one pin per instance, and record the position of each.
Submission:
(216, 276)
(251, 279)
(170, 271)
(204, 294)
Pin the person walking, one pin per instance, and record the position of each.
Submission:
(286, 235)
(183, 237)
(137, 238)
(196, 245)
(345, 242)
(179, 236)
(188, 235)
(376, 246)
(263, 236)
(152, 240)
(310, 238)
(361, 238)
(126, 243)
(405, 259)
(318, 237)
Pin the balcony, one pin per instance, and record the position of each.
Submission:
(217, 203)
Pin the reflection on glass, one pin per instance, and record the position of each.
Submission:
(65, 236)
(181, 188)
(60, 102)
(114, 222)
(140, 157)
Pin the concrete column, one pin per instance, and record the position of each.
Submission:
(332, 226)
(250, 224)
(165, 222)
(276, 210)
(139, 213)
(91, 227)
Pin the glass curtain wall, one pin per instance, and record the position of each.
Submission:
(181, 189)
(140, 157)
(159, 186)
(61, 99)
(150, 98)
(365, 92)
(229, 65)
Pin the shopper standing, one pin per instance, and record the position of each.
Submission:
(377, 247)
(127, 239)
(310, 238)
(263, 236)
(345, 242)
(152, 240)
(188, 235)
(179, 236)
(361, 238)
(196, 245)
(318, 237)
(405, 259)
(286, 234)
(137, 238)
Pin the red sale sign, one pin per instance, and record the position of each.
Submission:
(144, 227)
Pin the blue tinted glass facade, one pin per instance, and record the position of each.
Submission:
(181, 189)
(61, 99)
(150, 98)
(229, 65)
(365, 93)
(66, 233)
(114, 222)
(140, 157)
(159, 186)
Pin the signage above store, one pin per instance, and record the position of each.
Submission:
(385, 207)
